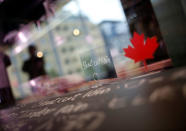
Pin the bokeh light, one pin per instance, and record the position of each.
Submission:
(76, 32)
(39, 54)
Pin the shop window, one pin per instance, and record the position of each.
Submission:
(58, 28)
(67, 61)
(65, 27)
(63, 50)
(71, 49)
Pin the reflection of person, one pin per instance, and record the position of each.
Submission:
(34, 66)
(6, 96)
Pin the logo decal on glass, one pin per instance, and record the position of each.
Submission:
(142, 49)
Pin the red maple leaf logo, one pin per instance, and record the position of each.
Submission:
(142, 49)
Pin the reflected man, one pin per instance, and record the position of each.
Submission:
(34, 66)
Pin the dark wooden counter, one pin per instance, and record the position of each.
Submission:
(155, 101)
